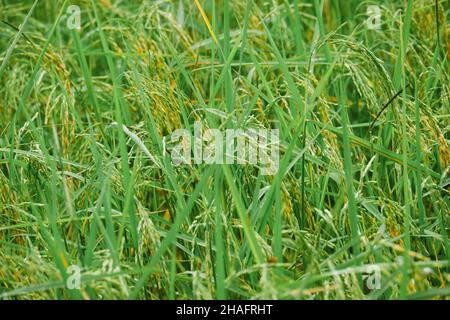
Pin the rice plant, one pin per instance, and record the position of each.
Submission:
(93, 206)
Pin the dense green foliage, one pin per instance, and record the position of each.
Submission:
(362, 185)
